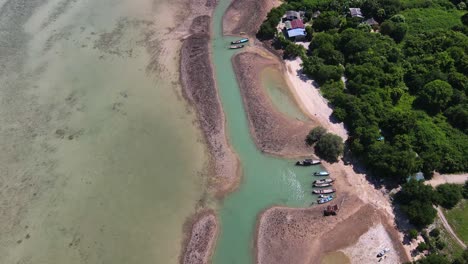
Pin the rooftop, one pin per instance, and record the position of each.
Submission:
(297, 23)
(356, 12)
(297, 32)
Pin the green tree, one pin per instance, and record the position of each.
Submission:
(422, 246)
(315, 134)
(396, 31)
(449, 195)
(413, 234)
(464, 19)
(435, 96)
(415, 199)
(433, 259)
(465, 190)
(329, 147)
(326, 21)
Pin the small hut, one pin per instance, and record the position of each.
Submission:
(356, 12)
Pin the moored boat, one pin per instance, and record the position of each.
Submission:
(307, 162)
(236, 46)
(321, 173)
(242, 40)
(323, 191)
(325, 200)
(322, 184)
(324, 196)
(324, 181)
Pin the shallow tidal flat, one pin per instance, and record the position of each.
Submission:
(100, 160)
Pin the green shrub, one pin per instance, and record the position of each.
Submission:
(315, 134)
(329, 147)
(413, 233)
(435, 232)
(422, 246)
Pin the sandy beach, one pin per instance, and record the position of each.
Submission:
(308, 96)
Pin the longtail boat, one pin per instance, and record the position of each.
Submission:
(321, 173)
(308, 162)
(236, 46)
(242, 40)
(324, 181)
(323, 191)
(325, 200)
(322, 184)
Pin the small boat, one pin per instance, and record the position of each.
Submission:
(322, 184)
(325, 200)
(242, 40)
(323, 191)
(307, 162)
(324, 181)
(324, 196)
(236, 46)
(321, 173)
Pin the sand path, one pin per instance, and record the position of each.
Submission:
(439, 179)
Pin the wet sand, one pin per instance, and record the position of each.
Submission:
(199, 88)
(246, 16)
(202, 230)
(273, 132)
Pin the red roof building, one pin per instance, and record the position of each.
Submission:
(297, 23)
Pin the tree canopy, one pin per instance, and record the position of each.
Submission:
(329, 147)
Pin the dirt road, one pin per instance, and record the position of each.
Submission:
(449, 228)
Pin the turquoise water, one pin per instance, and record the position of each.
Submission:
(267, 181)
(277, 90)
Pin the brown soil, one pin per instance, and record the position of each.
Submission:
(203, 229)
(287, 235)
(246, 16)
(199, 87)
(272, 131)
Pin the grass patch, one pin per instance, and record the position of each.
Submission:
(453, 250)
(431, 19)
(458, 219)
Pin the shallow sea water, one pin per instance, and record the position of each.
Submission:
(100, 161)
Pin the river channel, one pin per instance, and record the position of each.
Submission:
(266, 181)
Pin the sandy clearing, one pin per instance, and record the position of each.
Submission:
(370, 244)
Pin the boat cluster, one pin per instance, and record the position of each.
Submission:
(237, 44)
(325, 194)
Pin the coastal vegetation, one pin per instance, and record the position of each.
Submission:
(328, 146)
(404, 99)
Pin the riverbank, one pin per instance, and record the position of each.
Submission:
(199, 88)
(273, 132)
(201, 231)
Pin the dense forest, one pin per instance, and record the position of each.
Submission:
(403, 97)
